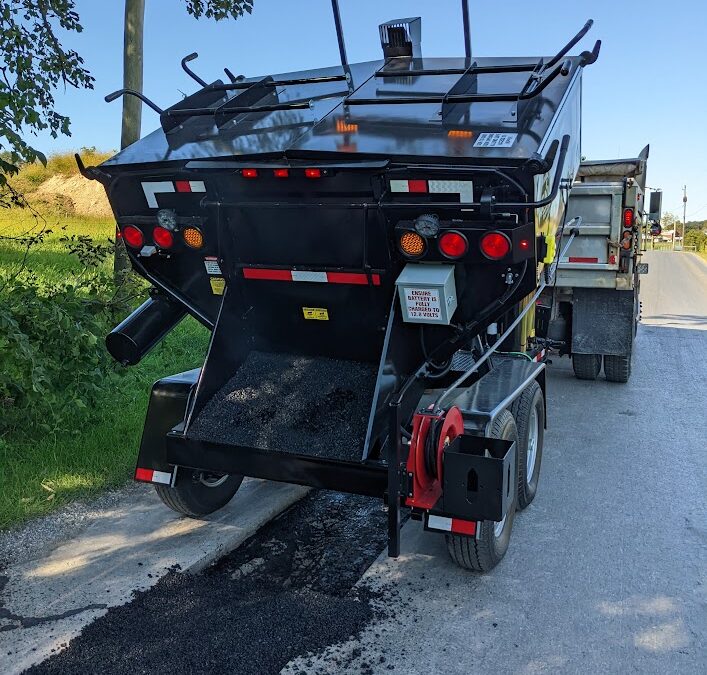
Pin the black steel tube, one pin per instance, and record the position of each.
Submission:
(340, 33)
(467, 28)
(585, 29)
(134, 337)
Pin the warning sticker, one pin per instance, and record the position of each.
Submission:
(316, 313)
(212, 266)
(218, 285)
(423, 303)
(499, 140)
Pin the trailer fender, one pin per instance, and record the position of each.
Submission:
(169, 400)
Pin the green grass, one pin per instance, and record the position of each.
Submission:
(38, 475)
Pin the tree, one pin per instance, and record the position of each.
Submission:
(696, 238)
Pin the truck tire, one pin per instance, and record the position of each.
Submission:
(529, 413)
(482, 552)
(197, 494)
(617, 368)
(586, 366)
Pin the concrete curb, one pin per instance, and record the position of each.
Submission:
(47, 601)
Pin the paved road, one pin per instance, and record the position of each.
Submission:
(606, 570)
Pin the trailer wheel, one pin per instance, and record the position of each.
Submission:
(529, 413)
(196, 493)
(586, 366)
(617, 368)
(482, 552)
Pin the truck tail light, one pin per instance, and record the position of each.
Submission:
(163, 237)
(281, 173)
(495, 245)
(133, 237)
(453, 244)
(412, 244)
(628, 217)
(313, 173)
(249, 173)
(193, 237)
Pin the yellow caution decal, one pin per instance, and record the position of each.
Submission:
(218, 285)
(316, 313)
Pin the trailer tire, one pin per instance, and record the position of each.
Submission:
(529, 413)
(586, 366)
(617, 368)
(483, 551)
(196, 495)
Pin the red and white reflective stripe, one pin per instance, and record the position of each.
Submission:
(456, 525)
(152, 476)
(577, 259)
(463, 188)
(357, 278)
(540, 356)
(154, 188)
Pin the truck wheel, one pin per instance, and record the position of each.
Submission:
(586, 366)
(482, 552)
(529, 413)
(617, 368)
(196, 493)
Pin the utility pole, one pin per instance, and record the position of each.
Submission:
(684, 211)
(132, 106)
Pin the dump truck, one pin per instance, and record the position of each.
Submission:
(592, 312)
(366, 244)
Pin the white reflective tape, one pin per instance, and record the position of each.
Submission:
(463, 188)
(161, 477)
(197, 186)
(304, 275)
(399, 186)
(152, 189)
(439, 523)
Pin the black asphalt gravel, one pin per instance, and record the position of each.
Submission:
(286, 403)
(286, 592)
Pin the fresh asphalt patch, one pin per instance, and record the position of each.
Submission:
(288, 591)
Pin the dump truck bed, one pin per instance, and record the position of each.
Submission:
(368, 119)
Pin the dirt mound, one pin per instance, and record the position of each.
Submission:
(88, 197)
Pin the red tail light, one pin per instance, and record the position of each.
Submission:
(453, 244)
(249, 173)
(281, 173)
(495, 245)
(163, 237)
(628, 217)
(133, 237)
(313, 173)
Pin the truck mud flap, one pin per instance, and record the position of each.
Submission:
(603, 321)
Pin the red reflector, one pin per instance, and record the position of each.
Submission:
(583, 260)
(281, 173)
(162, 237)
(495, 245)
(143, 474)
(313, 173)
(417, 185)
(249, 173)
(352, 278)
(182, 185)
(612, 259)
(272, 275)
(453, 244)
(463, 526)
(523, 244)
(133, 237)
(628, 217)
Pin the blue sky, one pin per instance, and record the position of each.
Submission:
(647, 87)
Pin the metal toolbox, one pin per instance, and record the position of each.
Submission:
(479, 477)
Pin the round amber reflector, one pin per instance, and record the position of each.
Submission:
(133, 237)
(193, 237)
(412, 244)
(453, 244)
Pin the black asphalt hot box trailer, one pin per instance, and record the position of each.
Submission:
(366, 244)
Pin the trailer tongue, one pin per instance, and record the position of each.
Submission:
(366, 244)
